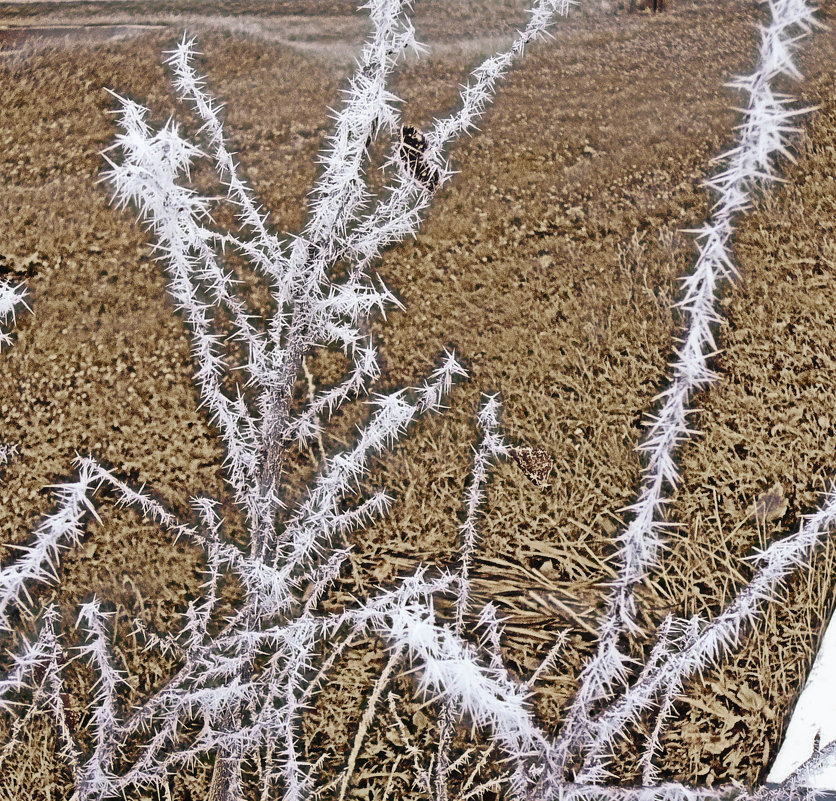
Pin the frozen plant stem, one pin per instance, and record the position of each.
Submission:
(249, 677)
(10, 298)
(705, 646)
(490, 448)
(763, 134)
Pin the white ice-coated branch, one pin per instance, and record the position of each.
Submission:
(39, 562)
(704, 644)
(724, 632)
(34, 655)
(397, 216)
(663, 649)
(448, 669)
(247, 679)
(10, 298)
(763, 135)
(36, 669)
(312, 310)
(490, 448)
(96, 650)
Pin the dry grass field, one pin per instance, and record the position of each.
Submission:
(550, 264)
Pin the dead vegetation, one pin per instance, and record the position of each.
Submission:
(550, 264)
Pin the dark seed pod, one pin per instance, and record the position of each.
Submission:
(411, 150)
(71, 715)
(534, 462)
(39, 674)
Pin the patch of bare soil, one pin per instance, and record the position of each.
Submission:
(550, 264)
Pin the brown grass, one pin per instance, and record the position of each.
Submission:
(550, 264)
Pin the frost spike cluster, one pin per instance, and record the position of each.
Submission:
(248, 678)
(763, 135)
(250, 681)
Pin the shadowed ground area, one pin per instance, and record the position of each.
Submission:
(550, 264)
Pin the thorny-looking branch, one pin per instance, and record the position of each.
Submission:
(249, 682)
(762, 134)
(246, 698)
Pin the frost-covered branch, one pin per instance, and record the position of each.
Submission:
(398, 215)
(490, 447)
(763, 135)
(62, 529)
(10, 298)
(715, 638)
(242, 682)
(249, 677)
